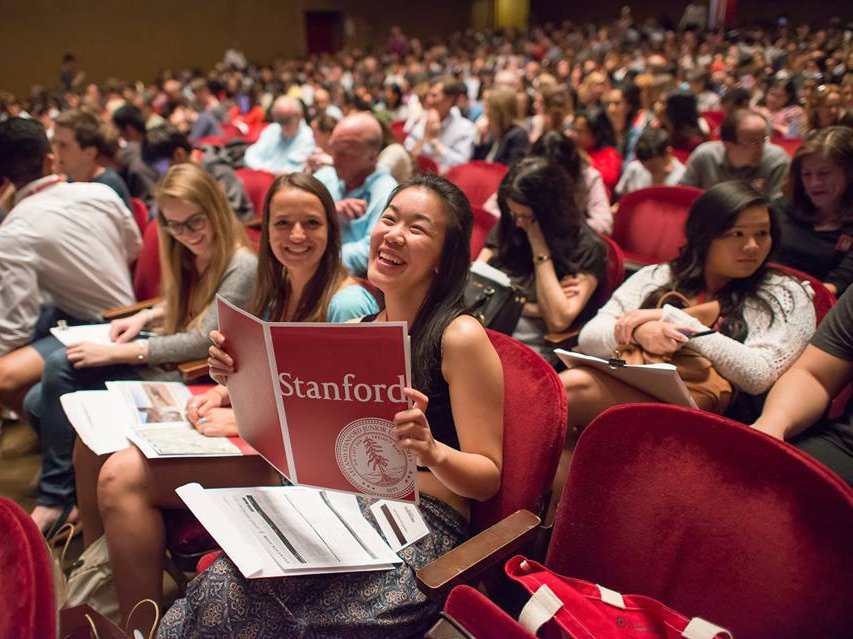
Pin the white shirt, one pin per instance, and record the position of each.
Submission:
(456, 136)
(70, 244)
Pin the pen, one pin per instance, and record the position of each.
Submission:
(710, 331)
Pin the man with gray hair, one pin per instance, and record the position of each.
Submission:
(285, 145)
(359, 187)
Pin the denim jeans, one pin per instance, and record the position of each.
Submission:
(57, 435)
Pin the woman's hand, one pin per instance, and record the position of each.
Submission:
(88, 354)
(625, 326)
(218, 422)
(220, 362)
(126, 329)
(412, 430)
(661, 338)
(572, 286)
(199, 405)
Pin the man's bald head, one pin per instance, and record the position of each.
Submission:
(356, 142)
(362, 127)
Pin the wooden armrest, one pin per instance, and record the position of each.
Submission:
(124, 311)
(193, 369)
(471, 559)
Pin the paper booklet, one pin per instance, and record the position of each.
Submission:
(148, 414)
(318, 400)
(661, 381)
(95, 333)
(282, 531)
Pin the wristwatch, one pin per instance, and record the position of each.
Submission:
(541, 257)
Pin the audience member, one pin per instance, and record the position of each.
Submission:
(203, 254)
(65, 253)
(78, 140)
(825, 108)
(419, 260)
(761, 319)
(286, 144)
(300, 279)
(359, 187)
(442, 132)
(655, 164)
(544, 245)
(743, 153)
(595, 137)
(139, 176)
(817, 213)
(782, 109)
(506, 141)
(681, 120)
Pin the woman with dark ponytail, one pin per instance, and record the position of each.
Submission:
(761, 318)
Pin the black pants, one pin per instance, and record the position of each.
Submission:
(830, 443)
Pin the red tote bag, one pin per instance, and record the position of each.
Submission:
(565, 608)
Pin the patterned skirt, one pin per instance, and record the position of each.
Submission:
(220, 602)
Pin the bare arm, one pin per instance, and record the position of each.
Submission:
(803, 393)
(558, 310)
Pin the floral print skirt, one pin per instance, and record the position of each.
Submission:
(220, 602)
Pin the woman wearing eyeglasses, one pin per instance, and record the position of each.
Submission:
(203, 252)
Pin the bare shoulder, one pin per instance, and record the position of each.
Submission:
(464, 334)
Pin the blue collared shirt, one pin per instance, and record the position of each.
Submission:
(355, 234)
(276, 154)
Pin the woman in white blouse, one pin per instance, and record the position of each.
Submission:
(764, 318)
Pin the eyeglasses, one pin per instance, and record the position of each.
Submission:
(287, 120)
(193, 224)
(754, 142)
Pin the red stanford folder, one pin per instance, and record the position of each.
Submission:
(318, 400)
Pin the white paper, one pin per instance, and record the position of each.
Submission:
(490, 272)
(289, 530)
(401, 523)
(93, 414)
(661, 381)
(95, 333)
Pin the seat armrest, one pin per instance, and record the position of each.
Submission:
(125, 311)
(469, 560)
(194, 369)
(564, 339)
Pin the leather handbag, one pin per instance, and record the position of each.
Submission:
(565, 608)
(493, 299)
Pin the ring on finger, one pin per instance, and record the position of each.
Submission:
(202, 420)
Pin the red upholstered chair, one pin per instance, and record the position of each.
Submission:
(649, 225)
(478, 179)
(146, 274)
(823, 298)
(480, 617)
(714, 120)
(426, 164)
(790, 146)
(398, 129)
(215, 140)
(681, 155)
(256, 183)
(140, 213)
(27, 596)
(710, 517)
(483, 223)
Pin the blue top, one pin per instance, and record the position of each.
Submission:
(276, 154)
(355, 234)
(114, 181)
(350, 303)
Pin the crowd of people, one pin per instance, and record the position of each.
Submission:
(759, 118)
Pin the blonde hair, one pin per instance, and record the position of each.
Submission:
(188, 293)
(503, 110)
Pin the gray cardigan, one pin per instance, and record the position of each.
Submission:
(237, 286)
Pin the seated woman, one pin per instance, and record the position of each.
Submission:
(594, 135)
(585, 182)
(825, 107)
(202, 253)
(300, 279)
(506, 141)
(817, 213)
(544, 245)
(762, 319)
(553, 106)
(782, 109)
(419, 259)
(679, 116)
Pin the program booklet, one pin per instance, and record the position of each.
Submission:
(318, 400)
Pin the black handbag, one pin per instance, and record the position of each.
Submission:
(491, 298)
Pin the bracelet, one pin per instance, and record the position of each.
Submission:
(140, 356)
(541, 258)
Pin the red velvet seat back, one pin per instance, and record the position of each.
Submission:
(483, 223)
(478, 179)
(27, 597)
(256, 183)
(146, 274)
(534, 432)
(615, 272)
(480, 616)
(398, 129)
(823, 299)
(712, 518)
(650, 223)
(140, 213)
(426, 164)
(790, 146)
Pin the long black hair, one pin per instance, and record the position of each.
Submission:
(443, 301)
(543, 186)
(712, 214)
(563, 151)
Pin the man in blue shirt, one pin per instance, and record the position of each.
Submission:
(284, 146)
(360, 188)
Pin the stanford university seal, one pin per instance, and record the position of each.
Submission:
(368, 456)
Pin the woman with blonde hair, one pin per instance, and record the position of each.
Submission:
(202, 253)
(506, 140)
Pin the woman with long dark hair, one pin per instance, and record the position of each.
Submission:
(544, 244)
(761, 318)
(419, 260)
(594, 134)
